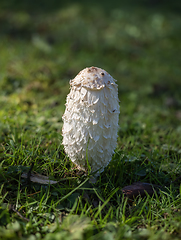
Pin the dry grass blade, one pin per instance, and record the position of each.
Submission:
(38, 178)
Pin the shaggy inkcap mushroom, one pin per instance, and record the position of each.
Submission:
(91, 119)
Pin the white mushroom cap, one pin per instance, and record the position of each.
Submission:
(92, 78)
(91, 119)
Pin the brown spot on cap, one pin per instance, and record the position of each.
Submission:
(94, 68)
(91, 69)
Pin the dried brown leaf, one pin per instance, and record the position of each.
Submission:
(139, 189)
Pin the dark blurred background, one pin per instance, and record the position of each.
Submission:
(42, 5)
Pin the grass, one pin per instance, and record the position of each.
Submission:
(42, 47)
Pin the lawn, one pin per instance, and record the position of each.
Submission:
(42, 46)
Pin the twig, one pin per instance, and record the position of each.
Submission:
(12, 207)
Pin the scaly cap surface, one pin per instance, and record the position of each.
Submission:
(91, 119)
(93, 78)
